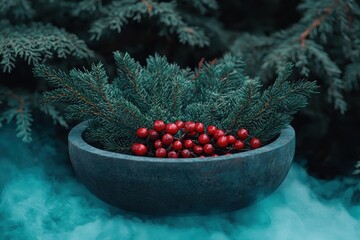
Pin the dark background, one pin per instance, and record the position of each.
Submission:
(327, 139)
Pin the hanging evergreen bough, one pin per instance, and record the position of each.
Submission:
(216, 93)
(118, 13)
(36, 42)
(310, 43)
(33, 32)
(20, 106)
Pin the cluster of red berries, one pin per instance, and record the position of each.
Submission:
(189, 139)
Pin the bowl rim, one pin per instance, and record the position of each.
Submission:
(75, 138)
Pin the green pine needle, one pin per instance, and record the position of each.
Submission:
(219, 94)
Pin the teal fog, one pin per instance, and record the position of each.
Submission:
(40, 198)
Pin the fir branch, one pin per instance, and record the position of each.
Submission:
(37, 42)
(55, 115)
(321, 65)
(251, 93)
(277, 103)
(23, 121)
(322, 20)
(20, 8)
(148, 5)
(203, 5)
(161, 90)
(86, 6)
(352, 76)
(130, 75)
(357, 168)
(117, 14)
(316, 22)
(19, 106)
(243, 104)
(18, 110)
(75, 89)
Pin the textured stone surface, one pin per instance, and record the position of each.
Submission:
(175, 186)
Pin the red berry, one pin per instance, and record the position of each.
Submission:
(222, 142)
(139, 149)
(172, 154)
(204, 139)
(189, 126)
(242, 134)
(214, 155)
(153, 134)
(239, 144)
(180, 124)
(167, 139)
(189, 143)
(211, 129)
(202, 156)
(158, 144)
(142, 132)
(218, 133)
(177, 145)
(159, 125)
(231, 139)
(160, 153)
(191, 134)
(185, 153)
(134, 147)
(172, 129)
(199, 127)
(255, 143)
(198, 149)
(208, 149)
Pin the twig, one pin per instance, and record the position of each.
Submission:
(149, 7)
(326, 12)
(189, 30)
(200, 65)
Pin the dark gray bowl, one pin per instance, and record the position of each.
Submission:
(159, 186)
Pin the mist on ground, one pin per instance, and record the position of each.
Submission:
(40, 198)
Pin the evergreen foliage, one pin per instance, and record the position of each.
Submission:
(113, 15)
(321, 38)
(37, 42)
(118, 13)
(19, 8)
(326, 25)
(19, 108)
(216, 93)
(357, 168)
(23, 38)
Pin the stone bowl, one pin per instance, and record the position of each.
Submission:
(158, 186)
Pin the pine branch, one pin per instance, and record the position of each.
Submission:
(222, 95)
(117, 14)
(203, 5)
(264, 114)
(23, 121)
(352, 76)
(86, 6)
(282, 99)
(130, 75)
(19, 107)
(316, 23)
(51, 111)
(37, 42)
(20, 8)
(357, 168)
(75, 88)
(322, 20)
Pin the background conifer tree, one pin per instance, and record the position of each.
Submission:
(321, 38)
